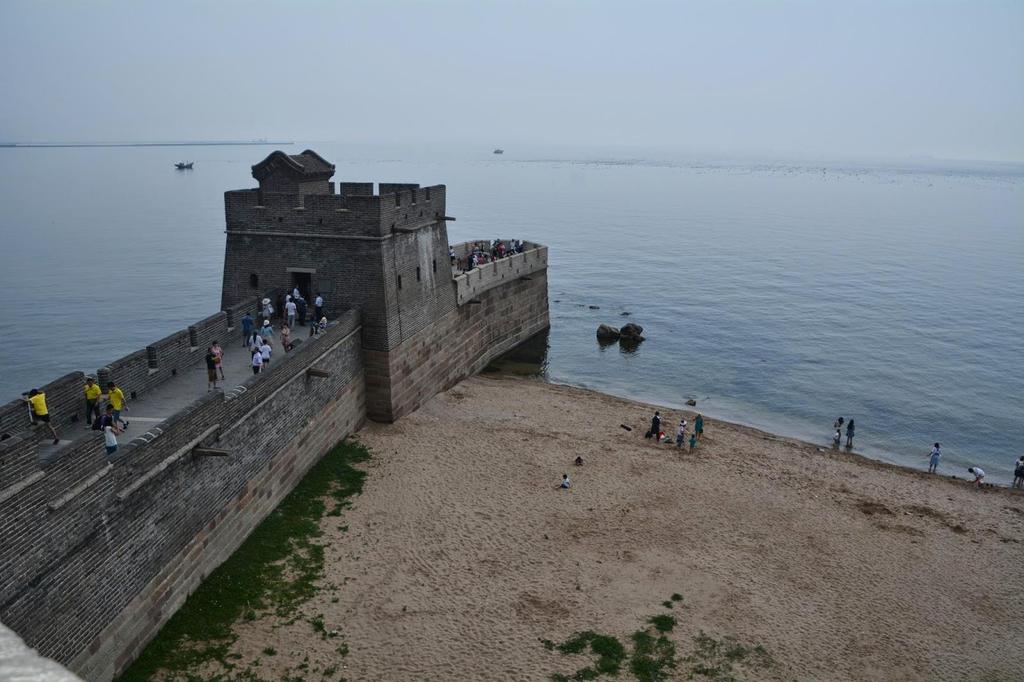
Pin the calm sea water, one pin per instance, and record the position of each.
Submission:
(780, 294)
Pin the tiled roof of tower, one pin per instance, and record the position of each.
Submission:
(312, 162)
(308, 164)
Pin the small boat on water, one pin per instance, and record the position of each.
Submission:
(499, 151)
(184, 166)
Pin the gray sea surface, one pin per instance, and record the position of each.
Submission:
(778, 293)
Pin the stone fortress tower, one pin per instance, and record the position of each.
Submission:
(97, 552)
(385, 254)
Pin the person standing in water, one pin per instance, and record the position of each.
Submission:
(849, 434)
(933, 459)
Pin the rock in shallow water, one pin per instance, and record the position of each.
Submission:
(632, 331)
(605, 331)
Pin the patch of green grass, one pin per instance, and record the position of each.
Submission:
(275, 570)
(714, 658)
(330, 670)
(677, 597)
(270, 651)
(609, 651)
(668, 604)
(610, 654)
(654, 658)
(663, 622)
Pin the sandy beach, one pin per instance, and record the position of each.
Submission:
(461, 555)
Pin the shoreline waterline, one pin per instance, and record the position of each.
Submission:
(689, 411)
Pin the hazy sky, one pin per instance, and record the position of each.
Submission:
(874, 78)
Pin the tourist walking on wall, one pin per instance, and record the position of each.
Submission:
(257, 361)
(109, 438)
(291, 310)
(247, 328)
(268, 309)
(318, 306)
(219, 352)
(265, 350)
(286, 338)
(849, 434)
(300, 303)
(267, 330)
(40, 413)
(117, 400)
(92, 400)
(1018, 473)
(933, 458)
(211, 369)
(698, 427)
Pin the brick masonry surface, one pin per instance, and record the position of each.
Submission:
(95, 555)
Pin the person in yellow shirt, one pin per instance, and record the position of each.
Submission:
(116, 397)
(92, 399)
(40, 414)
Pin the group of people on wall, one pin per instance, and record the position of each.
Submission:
(481, 253)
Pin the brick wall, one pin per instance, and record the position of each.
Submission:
(458, 345)
(96, 555)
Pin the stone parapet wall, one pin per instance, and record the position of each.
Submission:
(95, 555)
(64, 400)
(136, 373)
(469, 285)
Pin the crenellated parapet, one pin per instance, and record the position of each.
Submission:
(469, 284)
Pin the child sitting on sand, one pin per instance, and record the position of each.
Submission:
(578, 461)
(565, 482)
